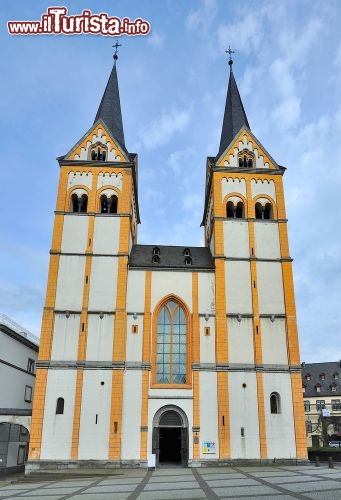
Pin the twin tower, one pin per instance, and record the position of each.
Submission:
(187, 353)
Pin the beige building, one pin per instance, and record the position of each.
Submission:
(186, 353)
(321, 389)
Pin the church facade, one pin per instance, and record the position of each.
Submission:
(187, 353)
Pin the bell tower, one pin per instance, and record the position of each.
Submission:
(257, 350)
(84, 319)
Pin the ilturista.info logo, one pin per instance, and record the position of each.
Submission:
(56, 22)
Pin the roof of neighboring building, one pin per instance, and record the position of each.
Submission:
(172, 257)
(315, 370)
(18, 332)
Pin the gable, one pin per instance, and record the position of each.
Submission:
(246, 144)
(97, 137)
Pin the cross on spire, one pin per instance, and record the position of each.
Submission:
(116, 45)
(229, 51)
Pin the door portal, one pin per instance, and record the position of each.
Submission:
(170, 445)
(170, 437)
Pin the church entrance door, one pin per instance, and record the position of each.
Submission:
(170, 439)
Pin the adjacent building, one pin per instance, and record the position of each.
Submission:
(18, 357)
(321, 389)
(187, 353)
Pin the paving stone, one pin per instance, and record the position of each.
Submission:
(112, 488)
(291, 479)
(5, 493)
(165, 479)
(277, 473)
(170, 495)
(232, 482)
(267, 497)
(173, 485)
(71, 484)
(324, 495)
(98, 496)
(41, 497)
(211, 477)
(243, 491)
(51, 491)
(313, 486)
(125, 480)
(172, 472)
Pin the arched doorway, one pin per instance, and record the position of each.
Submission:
(14, 439)
(170, 436)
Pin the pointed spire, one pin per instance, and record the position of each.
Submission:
(234, 116)
(110, 107)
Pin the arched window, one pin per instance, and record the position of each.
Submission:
(98, 152)
(156, 251)
(156, 259)
(60, 406)
(104, 204)
(74, 203)
(79, 203)
(240, 210)
(263, 212)
(113, 205)
(245, 159)
(230, 210)
(275, 403)
(268, 211)
(171, 363)
(187, 252)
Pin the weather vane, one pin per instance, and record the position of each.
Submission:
(116, 45)
(229, 51)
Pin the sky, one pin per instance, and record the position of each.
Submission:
(173, 83)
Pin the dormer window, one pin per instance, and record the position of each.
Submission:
(333, 387)
(98, 152)
(318, 388)
(187, 252)
(322, 376)
(336, 376)
(156, 251)
(156, 259)
(308, 376)
(188, 261)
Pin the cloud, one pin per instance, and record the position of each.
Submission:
(202, 18)
(246, 33)
(161, 130)
(177, 160)
(155, 39)
(192, 202)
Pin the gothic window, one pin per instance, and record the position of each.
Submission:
(60, 406)
(171, 362)
(235, 211)
(275, 403)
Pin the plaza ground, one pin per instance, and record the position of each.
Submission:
(280, 482)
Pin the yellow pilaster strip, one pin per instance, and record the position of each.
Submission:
(38, 414)
(145, 359)
(120, 327)
(196, 359)
(257, 333)
(291, 328)
(220, 322)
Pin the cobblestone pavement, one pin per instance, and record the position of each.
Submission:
(304, 482)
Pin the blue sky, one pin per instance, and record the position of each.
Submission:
(173, 87)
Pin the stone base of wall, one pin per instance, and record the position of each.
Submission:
(96, 466)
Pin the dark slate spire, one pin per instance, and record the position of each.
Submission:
(234, 116)
(110, 107)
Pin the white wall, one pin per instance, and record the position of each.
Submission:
(100, 338)
(208, 412)
(167, 282)
(75, 233)
(136, 291)
(243, 413)
(280, 434)
(65, 337)
(106, 235)
(240, 340)
(270, 288)
(238, 287)
(267, 240)
(207, 342)
(274, 344)
(70, 283)
(57, 429)
(233, 185)
(206, 293)
(134, 340)
(103, 284)
(236, 238)
(96, 399)
(263, 187)
(131, 415)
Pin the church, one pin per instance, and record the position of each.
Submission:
(188, 355)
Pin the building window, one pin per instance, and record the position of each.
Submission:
(98, 152)
(264, 211)
(303, 389)
(336, 404)
(235, 211)
(156, 259)
(308, 426)
(306, 405)
(275, 403)
(28, 394)
(79, 204)
(171, 363)
(245, 159)
(108, 204)
(156, 251)
(320, 404)
(318, 388)
(336, 376)
(60, 406)
(187, 252)
(188, 261)
(333, 387)
(322, 376)
(31, 365)
(308, 376)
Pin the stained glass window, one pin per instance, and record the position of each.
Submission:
(171, 364)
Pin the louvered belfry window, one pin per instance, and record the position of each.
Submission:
(171, 364)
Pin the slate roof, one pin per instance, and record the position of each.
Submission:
(315, 370)
(171, 257)
(110, 108)
(234, 116)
